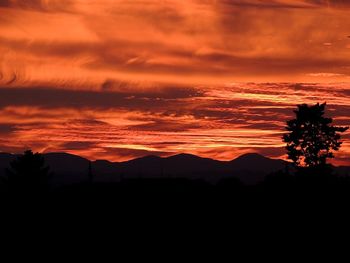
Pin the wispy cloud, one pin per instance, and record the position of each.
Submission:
(119, 79)
(215, 121)
(38, 5)
(171, 41)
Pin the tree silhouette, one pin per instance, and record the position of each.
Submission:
(312, 138)
(28, 173)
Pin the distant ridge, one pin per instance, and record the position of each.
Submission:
(257, 162)
(251, 156)
(69, 169)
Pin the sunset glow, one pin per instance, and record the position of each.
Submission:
(119, 79)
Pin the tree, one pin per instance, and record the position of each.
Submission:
(28, 173)
(311, 137)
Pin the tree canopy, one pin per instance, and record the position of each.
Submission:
(311, 137)
(28, 172)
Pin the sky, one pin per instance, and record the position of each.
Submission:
(119, 79)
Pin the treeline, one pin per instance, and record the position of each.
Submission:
(281, 183)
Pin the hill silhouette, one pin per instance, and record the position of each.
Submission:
(179, 183)
(71, 169)
(261, 163)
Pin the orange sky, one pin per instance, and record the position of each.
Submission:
(118, 79)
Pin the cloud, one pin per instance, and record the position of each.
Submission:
(61, 98)
(332, 3)
(285, 3)
(77, 145)
(192, 41)
(6, 128)
(38, 5)
(166, 125)
(217, 78)
(268, 4)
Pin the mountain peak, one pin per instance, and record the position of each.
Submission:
(146, 158)
(188, 157)
(257, 162)
(183, 155)
(251, 156)
(63, 155)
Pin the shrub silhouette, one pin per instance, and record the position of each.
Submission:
(312, 138)
(28, 173)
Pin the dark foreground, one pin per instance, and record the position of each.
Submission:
(280, 207)
(278, 191)
(176, 216)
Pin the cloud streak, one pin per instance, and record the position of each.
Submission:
(38, 5)
(119, 79)
(199, 41)
(219, 122)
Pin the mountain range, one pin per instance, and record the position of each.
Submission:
(70, 169)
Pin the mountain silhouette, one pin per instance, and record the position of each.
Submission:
(252, 168)
(257, 163)
(67, 168)
(181, 165)
(70, 169)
